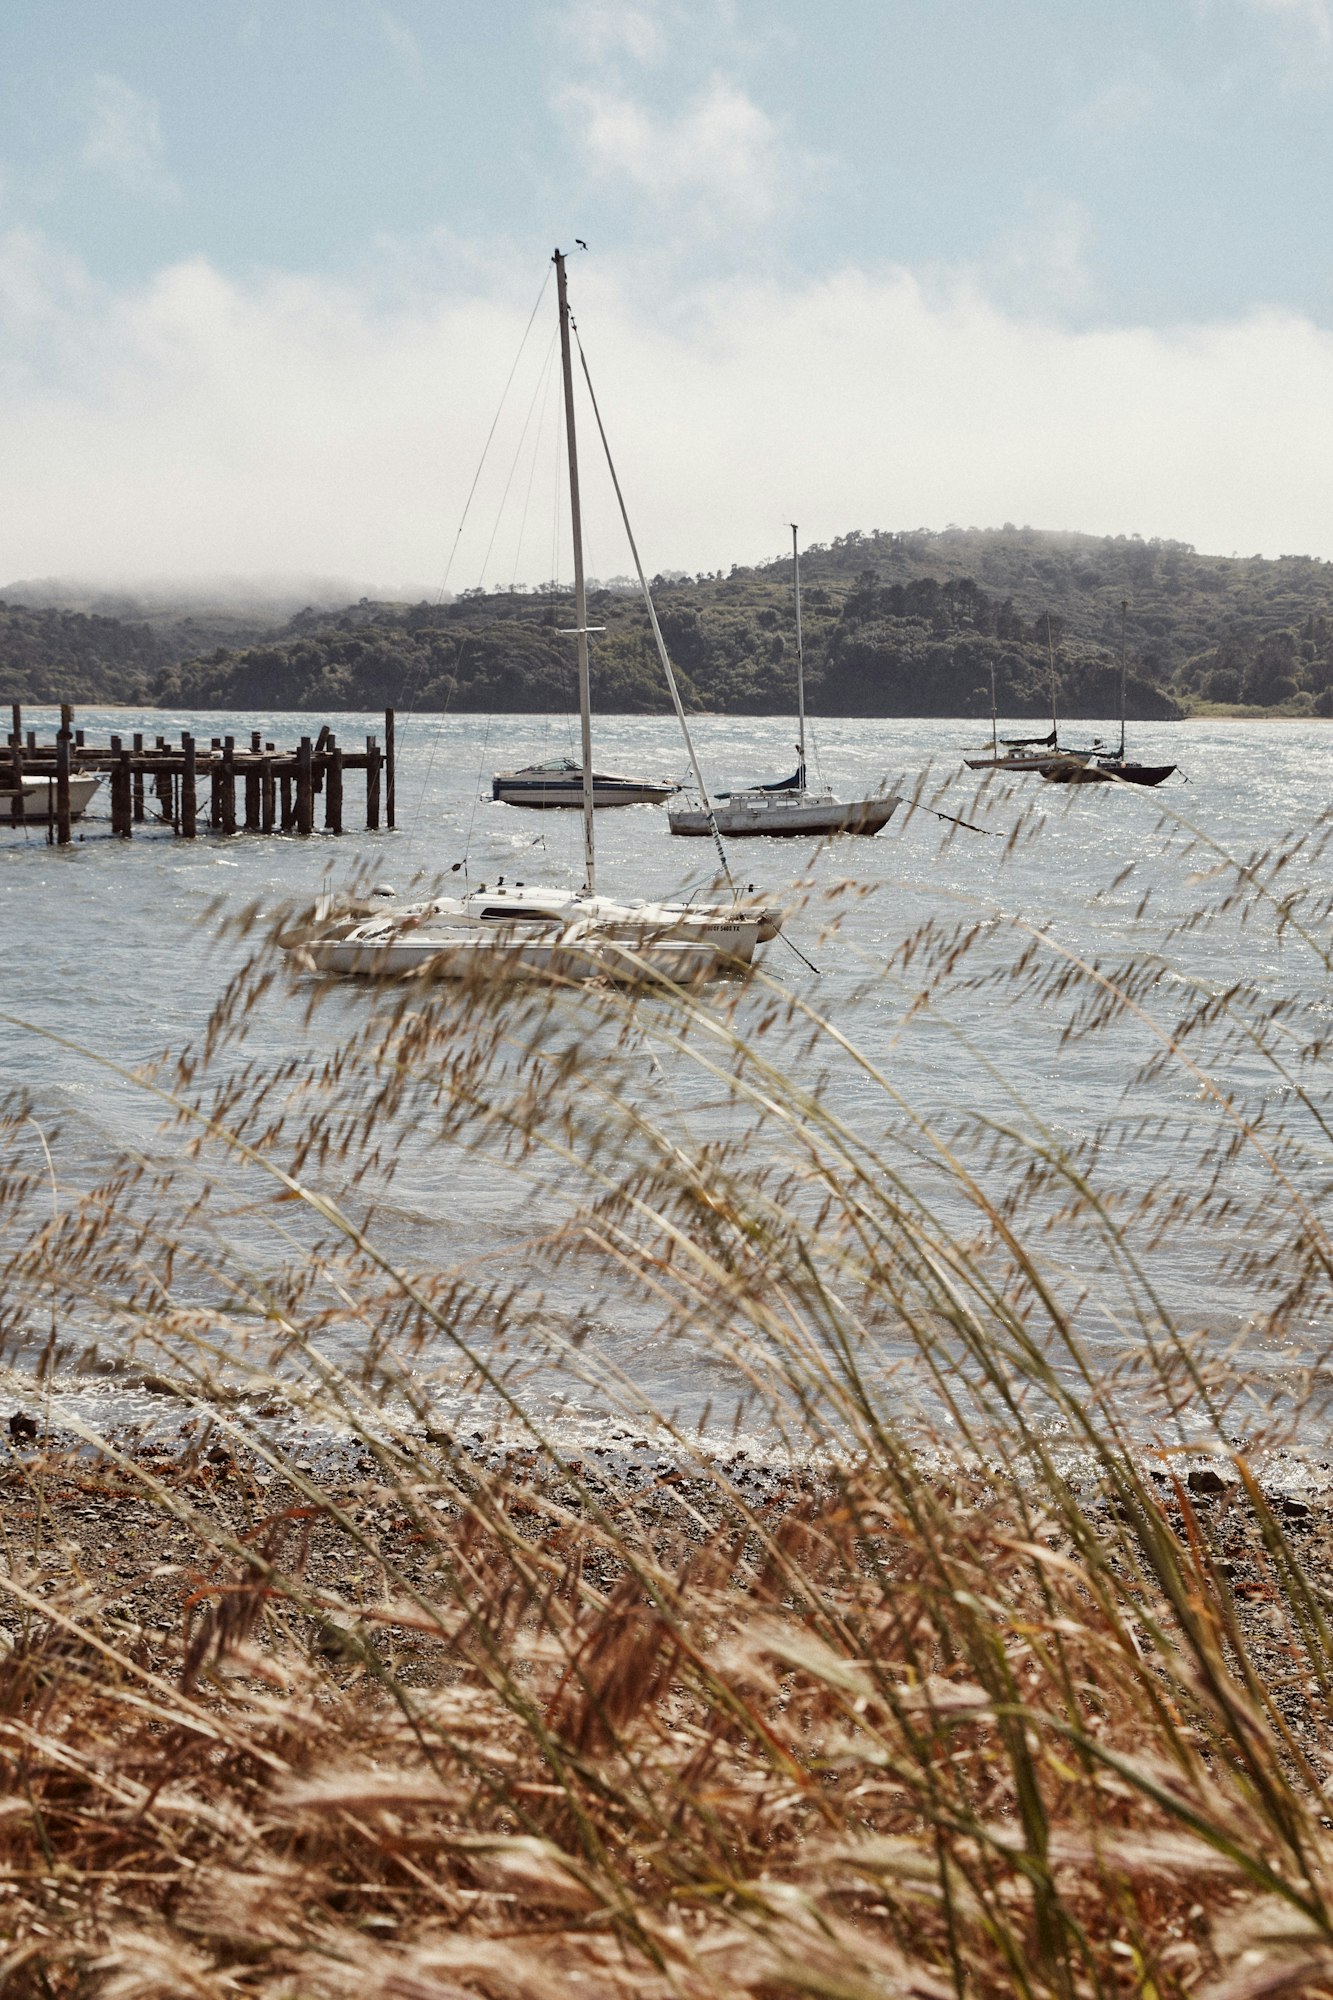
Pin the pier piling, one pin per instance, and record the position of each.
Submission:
(229, 785)
(280, 786)
(16, 763)
(305, 787)
(189, 790)
(62, 785)
(333, 788)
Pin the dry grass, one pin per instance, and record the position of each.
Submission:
(980, 1696)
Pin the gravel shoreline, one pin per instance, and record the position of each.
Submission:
(140, 1545)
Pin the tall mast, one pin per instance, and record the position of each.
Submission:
(994, 723)
(1050, 655)
(580, 591)
(800, 661)
(1124, 608)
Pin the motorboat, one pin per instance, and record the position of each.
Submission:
(39, 798)
(560, 783)
(790, 807)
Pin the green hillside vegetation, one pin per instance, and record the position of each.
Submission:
(896, 624)
(50, 655)
(923, 648)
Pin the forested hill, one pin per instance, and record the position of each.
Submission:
(52, 655)
(922, 648)
(896, 624)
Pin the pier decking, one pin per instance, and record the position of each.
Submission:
(245, 787)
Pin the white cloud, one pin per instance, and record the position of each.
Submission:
(602, 30)
(717, 162)
(1040, 265)
(123, 139)
(201, 425)
(1126, 102)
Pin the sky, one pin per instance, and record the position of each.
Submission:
(266, 268)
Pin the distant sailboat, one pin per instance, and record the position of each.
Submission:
(788, 807)
(1022, 753)
(1095, 766)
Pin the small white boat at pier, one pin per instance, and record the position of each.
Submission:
(39, 798)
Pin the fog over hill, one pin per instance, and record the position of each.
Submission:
(151, 599)
(897, 623)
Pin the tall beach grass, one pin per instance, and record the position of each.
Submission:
(966, 1631)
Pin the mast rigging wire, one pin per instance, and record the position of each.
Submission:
(467, 506)
(499, 411)
(542, 383)
(662, 653)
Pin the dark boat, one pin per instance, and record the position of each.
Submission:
(1097, 766)
(1090, 768)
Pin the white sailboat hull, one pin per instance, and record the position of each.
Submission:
(772, 814)
(532, 933)
(476, 956)
(39, 798)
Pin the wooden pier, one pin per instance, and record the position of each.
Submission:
(222, 786)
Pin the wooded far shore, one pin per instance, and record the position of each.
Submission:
(900, 624)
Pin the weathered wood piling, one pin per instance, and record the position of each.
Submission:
(278, 787)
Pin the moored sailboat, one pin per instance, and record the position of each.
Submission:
(573, 934)
(790, 806)
(1098, 766)
(1022, 753)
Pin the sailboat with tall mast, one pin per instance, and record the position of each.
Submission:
(1022, 753)
(1097, 766)
(790, 806)
(576, 934)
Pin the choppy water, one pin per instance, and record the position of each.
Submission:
(101, 943)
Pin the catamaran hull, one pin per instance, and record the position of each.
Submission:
(786, 821)
(39, 799)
